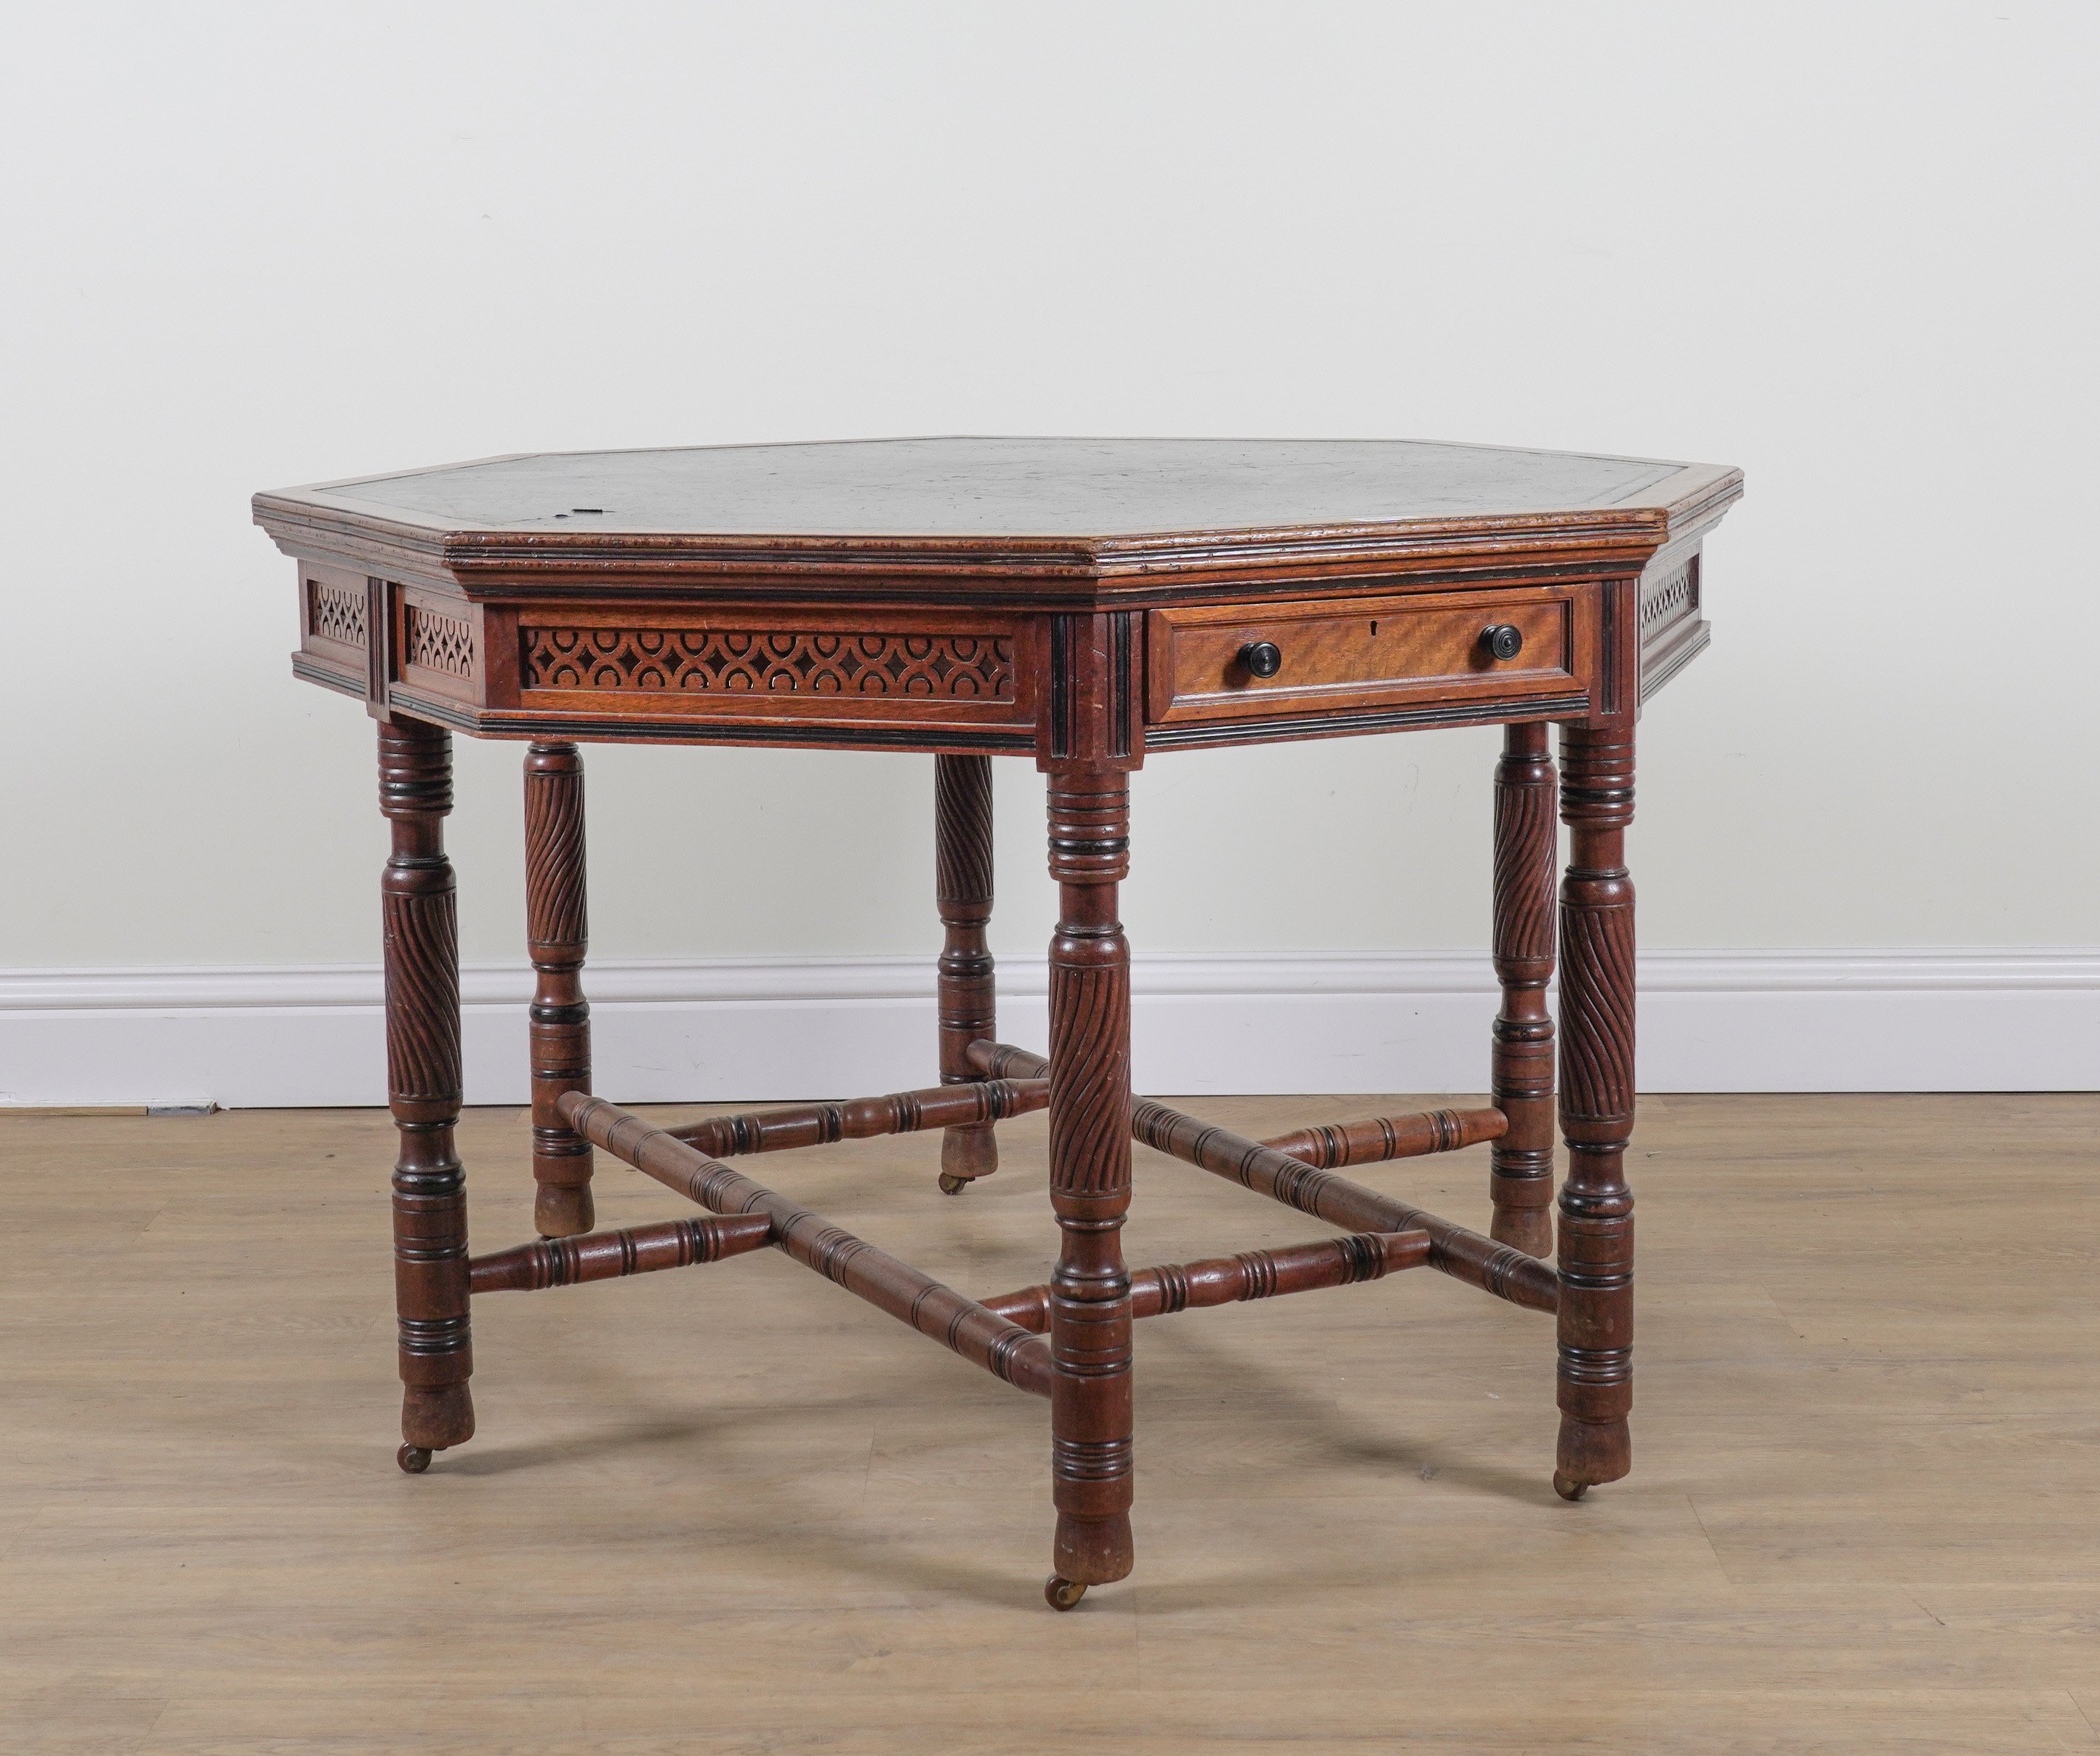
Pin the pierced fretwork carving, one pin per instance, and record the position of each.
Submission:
(435, 643)
(1670, 598)
(948, 667)
(336, 613)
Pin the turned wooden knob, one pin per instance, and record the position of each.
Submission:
(1501, 641)
(1262, 657)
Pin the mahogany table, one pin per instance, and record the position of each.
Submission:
(1088, 602)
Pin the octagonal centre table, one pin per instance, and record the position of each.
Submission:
(1088, 603)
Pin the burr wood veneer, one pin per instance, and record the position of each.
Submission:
(1088, 603)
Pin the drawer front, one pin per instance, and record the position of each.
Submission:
(771, 673)
(1419, 651)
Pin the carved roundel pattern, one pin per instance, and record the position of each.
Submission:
(944, 667)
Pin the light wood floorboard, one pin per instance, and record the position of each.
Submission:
(731, 1508)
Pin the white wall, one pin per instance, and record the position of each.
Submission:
(1849, 247)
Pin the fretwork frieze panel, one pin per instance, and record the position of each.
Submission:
(1671, 597)
(335, 612)
(946, 667)
(435, 643)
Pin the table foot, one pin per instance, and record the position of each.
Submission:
(563, 1210)
(1062, 1593)
(1529, 1230)
(413, 1459)
(1096, 1551)
(436, 1416)
(967, 1153)
(1590, 1452)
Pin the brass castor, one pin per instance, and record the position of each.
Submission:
(1566, 1488)
(955, 1185)
(415, 1459)
(1062, 1593)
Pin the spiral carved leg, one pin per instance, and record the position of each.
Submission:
(558, 931)
(1596, 1313)
(963, 981)
(1520, 1176)
(1091, 1411)
(423, 1089)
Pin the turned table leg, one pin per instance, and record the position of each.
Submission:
(558, 932)
(963, 981)
(423, 1088)
(1520, 1176)
(1090, 1305)
(1596, 1317)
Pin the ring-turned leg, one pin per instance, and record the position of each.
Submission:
(1596, 1318)
(963, 981)
(423, 1089)
(557, 930)
(1090, 1314)
(1520, 1177)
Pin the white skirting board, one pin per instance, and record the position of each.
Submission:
(1370, 1022)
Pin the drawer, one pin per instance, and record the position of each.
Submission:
(905, 675)
(1420, 651)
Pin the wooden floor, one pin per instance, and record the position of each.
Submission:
(732, 1509)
